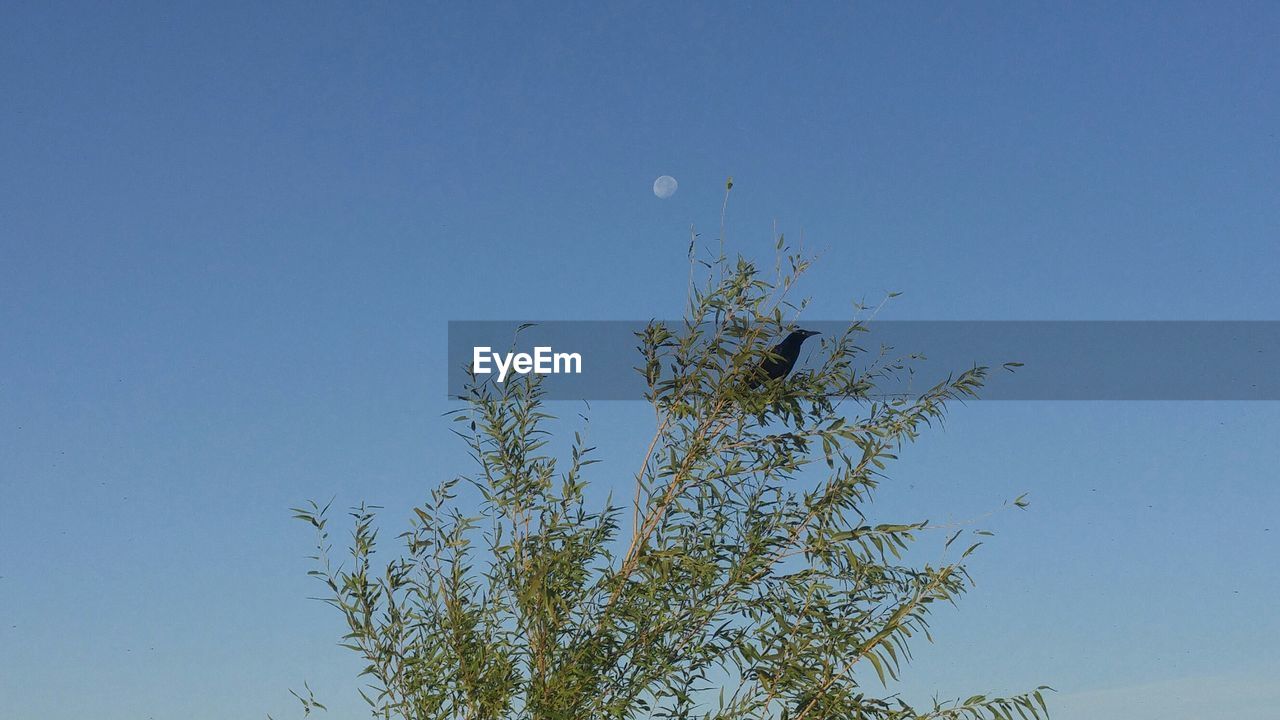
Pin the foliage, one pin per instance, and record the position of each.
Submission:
(741, 581)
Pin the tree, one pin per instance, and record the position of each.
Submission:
(742, 580)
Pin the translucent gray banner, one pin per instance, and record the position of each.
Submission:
(1060, 360)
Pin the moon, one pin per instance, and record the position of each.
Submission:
(665, 186)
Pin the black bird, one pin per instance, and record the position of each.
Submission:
(786, 352)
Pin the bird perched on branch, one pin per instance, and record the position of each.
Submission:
(781, 359)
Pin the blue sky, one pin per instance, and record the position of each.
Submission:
(231, 236)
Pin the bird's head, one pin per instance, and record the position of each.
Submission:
(802, 335)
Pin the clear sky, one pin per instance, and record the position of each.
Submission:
(231, 235)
